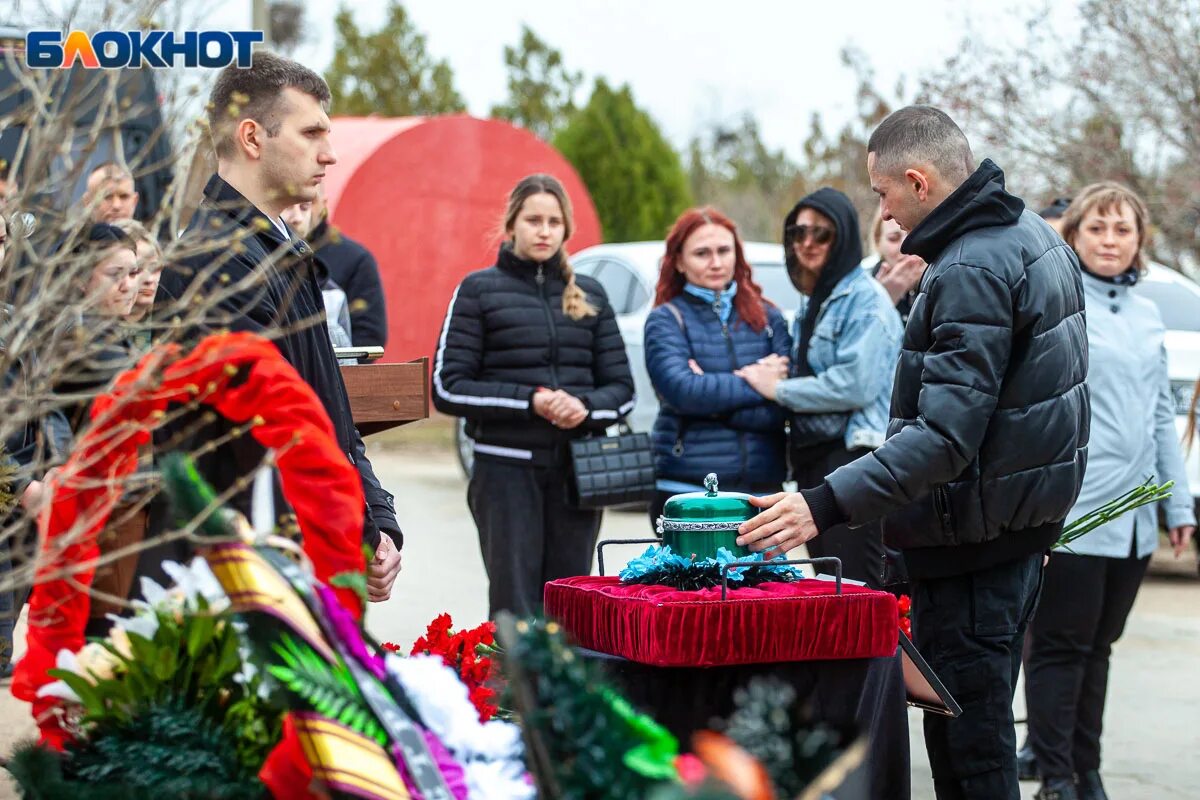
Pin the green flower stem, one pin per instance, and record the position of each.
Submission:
(1135, 498)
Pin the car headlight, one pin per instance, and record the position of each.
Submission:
(1182, 392)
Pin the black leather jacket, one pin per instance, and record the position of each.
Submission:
(990, 414)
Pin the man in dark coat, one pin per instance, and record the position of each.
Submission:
(352, 267)
(271, 133)
(988, 438)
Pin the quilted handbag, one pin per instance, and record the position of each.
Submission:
(612, 470)
(810, 429)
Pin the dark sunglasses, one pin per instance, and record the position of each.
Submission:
(820, 234)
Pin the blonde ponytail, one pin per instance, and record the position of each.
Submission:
(574, 300)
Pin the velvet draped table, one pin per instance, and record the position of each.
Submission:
(681, 655)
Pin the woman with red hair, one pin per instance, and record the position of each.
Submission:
(711, 320)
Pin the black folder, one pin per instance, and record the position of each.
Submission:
(925, 690)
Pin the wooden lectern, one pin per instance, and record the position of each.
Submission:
(385, 396)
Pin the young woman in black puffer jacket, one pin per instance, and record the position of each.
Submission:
(530, 354)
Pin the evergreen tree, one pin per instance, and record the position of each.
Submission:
(541, 90)
(633, 174)
(388, 72)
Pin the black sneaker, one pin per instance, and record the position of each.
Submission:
(1090, 786)
(1027, 763)
(1058, 789)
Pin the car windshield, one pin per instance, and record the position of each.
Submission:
(1179, 307)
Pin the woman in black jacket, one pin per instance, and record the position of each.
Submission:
(530, 354)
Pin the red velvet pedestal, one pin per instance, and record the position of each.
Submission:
(682, 655)
(773, 622)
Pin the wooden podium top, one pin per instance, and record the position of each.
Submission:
(384, 396)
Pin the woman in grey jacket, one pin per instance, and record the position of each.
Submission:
(1088, 593)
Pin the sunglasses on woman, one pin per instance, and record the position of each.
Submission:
(820, 234)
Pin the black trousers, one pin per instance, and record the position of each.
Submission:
(1083, 611)
(860, 549)
(529, 533)
(970, 629)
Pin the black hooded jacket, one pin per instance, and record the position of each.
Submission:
(352, 267)
(279, 294)
(844, 255)
(988, 439)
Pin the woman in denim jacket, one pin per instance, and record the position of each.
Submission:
(843, 361)
(1088, 592)
(710, 320)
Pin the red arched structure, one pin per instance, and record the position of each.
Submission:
(425, 195)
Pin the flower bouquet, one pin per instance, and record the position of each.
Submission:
(661, 567)
(1148, 492)
(250, 675)
(468, 652)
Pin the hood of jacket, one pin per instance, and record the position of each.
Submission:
(980, 202)
(845, 255)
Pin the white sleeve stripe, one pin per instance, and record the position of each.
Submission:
(464, 399)
(608, 413)
(506, 452)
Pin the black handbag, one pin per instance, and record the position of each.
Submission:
(810, 429)
(612, 470)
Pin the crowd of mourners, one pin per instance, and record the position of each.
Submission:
(944, 405)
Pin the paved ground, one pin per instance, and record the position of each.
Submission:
(1154, 709)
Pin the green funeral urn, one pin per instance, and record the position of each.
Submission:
(698, 523)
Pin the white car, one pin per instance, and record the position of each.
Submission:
(1178, 300)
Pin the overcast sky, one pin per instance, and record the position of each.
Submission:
(689, 63)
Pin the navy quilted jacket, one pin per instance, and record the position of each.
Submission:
(713, 422)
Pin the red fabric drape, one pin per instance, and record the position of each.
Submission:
(318, 480)
(665, 627)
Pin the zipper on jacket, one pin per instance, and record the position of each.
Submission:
(733, 365)
(541, 282)
(941, 505)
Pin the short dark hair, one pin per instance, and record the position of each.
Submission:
(254, 93)
(1056, 209)
(921, 135)
(100, 236)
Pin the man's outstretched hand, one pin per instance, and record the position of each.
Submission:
(783, 525)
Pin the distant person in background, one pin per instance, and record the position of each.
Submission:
(150, 266)
(8, 185)
(711, 335)
(299, 219)
(847, 339)
(898, 273)
(110, 195)
(98, 337)
(352, 267)
(1053, 213)
(23, 452)
(1088, 591)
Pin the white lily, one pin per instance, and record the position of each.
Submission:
(65, 659)
(143, 624)
(197, 580)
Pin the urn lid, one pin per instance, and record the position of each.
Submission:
(712, 508)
